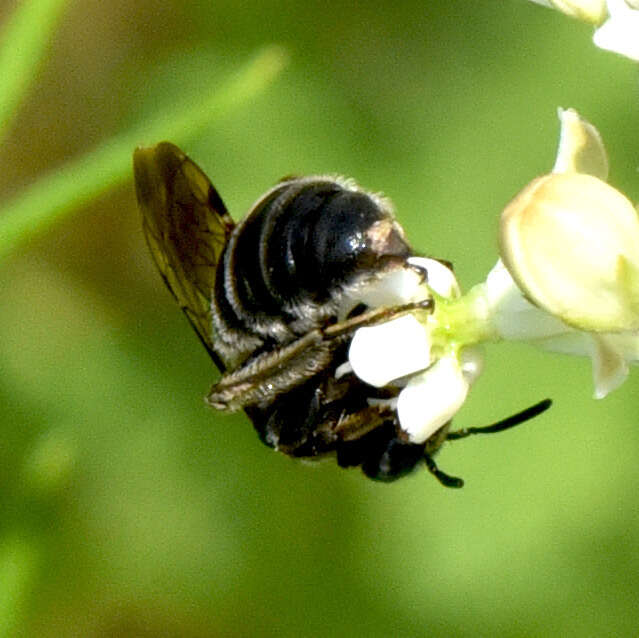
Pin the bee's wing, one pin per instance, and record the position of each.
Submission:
(186, 226)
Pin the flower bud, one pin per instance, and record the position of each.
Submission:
(571, 243)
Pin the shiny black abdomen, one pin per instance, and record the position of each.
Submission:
(301, 244)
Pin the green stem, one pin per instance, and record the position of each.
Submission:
(464, 321)
(54, 196)
(23, 43)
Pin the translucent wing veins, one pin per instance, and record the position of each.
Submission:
(186, 226)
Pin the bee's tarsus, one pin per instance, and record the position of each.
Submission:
(445, 479)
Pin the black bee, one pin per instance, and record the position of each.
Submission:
(276, 299)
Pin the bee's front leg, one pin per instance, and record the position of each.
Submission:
(281, 369)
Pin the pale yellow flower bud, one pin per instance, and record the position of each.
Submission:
(571, 243)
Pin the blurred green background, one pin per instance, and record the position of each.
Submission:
(128, 509)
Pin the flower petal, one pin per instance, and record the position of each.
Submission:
(430, 399)
(517, 319)
(609, 368)
(441, 279)
(389, 351)
(581, 149)
(620, 32)
(394, 287)
(512, 315)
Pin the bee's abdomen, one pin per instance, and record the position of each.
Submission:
(302, 243)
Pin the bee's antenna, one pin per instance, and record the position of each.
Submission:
(504, 424)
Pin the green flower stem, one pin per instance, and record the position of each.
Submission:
(54, 196)
(23, 43)
(464, 321)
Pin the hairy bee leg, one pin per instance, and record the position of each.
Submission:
(272, 373)
(377, 315)
(284, 368)
(445, 479)
(356, 424)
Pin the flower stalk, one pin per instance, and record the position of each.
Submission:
(462, 322)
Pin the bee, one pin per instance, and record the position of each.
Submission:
(276, 299)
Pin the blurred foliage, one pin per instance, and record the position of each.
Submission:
(70, 186)
(128, 509)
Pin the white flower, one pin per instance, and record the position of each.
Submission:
(514, 318)
(620, 32)
(617, 22)
(569, 282)
(405, 352)
(432, 398)
(571, 243)
(394, 349)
